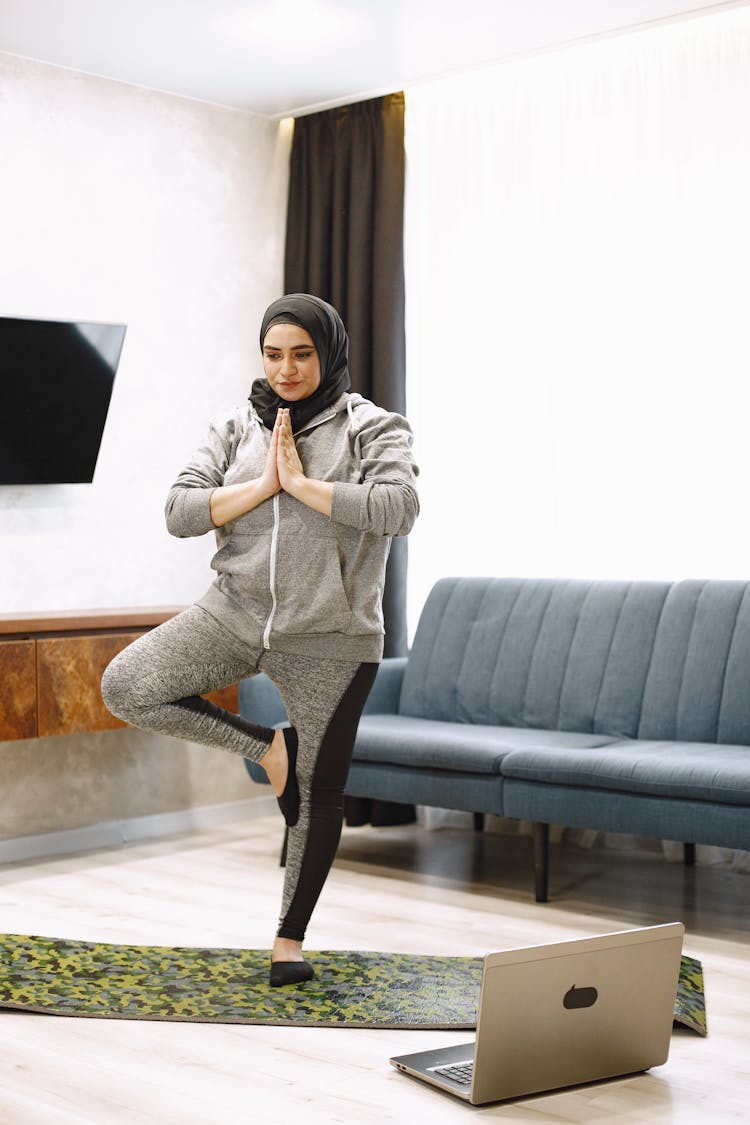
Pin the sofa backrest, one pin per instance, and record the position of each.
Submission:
(654, 660)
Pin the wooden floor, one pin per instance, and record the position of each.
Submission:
(401, 889)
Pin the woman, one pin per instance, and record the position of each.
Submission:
(304, 488)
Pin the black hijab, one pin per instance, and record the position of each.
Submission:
(332, 344)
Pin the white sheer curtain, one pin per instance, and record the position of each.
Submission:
(577, 268)
(578, 265)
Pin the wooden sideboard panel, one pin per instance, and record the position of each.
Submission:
(17, 690)
(228, 698)
(51, 665)
(69, 672)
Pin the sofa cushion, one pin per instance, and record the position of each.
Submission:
(543, 653)
(690, 770)
(462, 747)
(697, 685)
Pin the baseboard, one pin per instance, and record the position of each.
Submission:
(119, 833)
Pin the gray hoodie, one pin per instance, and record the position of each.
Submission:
(289, 578)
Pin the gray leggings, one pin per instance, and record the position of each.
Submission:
(157, 682)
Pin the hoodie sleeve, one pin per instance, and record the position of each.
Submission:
(385, 500)
(187, 510)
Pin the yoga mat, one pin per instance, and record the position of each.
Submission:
(200, 985)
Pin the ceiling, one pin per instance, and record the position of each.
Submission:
(286, 57)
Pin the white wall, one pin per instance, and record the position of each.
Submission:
(121, 204)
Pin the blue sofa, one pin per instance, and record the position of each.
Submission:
(618, 706)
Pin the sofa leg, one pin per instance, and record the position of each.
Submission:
(689, 852)
(541, 860)
(282, 861)
(479, 822)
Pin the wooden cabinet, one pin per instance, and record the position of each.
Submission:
(51, 667)
(17, 689)
(68, 674)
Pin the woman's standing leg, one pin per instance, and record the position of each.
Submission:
(324, 701)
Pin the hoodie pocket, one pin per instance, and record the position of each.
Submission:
(244, 563)
(310, 594)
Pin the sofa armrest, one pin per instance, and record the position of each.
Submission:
(260, 703)
(386, 691)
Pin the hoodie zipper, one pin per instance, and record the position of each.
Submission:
(275, 542)
(272, 572)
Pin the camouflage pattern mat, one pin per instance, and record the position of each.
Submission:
(199, 985)
(690, 1002)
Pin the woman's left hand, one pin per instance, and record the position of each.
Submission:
(288, 464)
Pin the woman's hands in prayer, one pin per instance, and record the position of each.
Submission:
(282, 470)
(316, 494)
(288, 464)
(282, 461)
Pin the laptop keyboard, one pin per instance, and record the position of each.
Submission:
(459, 1072)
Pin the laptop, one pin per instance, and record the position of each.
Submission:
(561, 1014)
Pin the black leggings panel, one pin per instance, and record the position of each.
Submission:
(327, 803)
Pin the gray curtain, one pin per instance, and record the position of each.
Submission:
(344, 242)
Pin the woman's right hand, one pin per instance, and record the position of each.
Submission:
(268, 481)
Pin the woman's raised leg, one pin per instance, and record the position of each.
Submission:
(158, 681)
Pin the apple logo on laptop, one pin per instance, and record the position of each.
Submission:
(580, 997)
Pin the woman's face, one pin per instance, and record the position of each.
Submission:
(291, 362)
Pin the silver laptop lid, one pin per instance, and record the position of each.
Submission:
(575, 1011)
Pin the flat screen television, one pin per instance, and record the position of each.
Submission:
(56, 381)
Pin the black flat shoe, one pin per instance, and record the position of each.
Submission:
(289, 799)
(290, 972)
